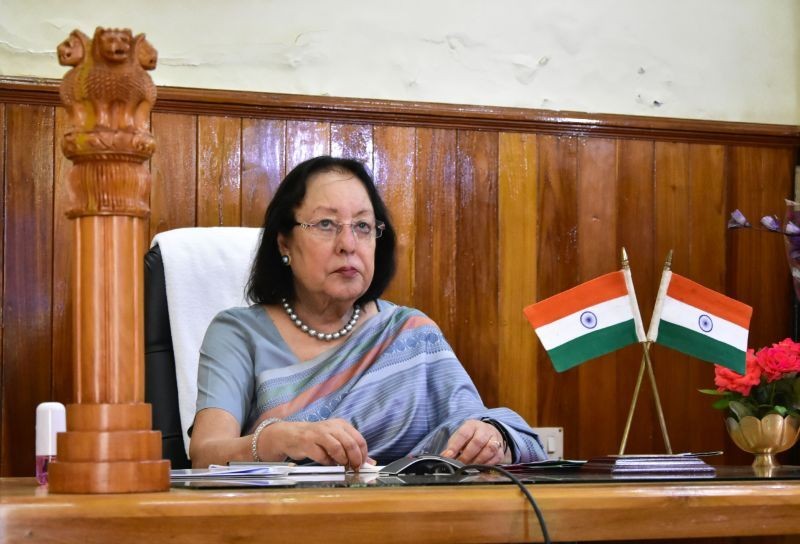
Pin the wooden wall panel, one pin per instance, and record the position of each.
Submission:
(263, 166)
(476, 267)
(219, 201)
(306, 139)
(759, 187)
(3, 131)
(707, 215)
(28, 280)
(598, 253)
(173, 169)
(517, 209)
(756, 269)
(672, 233)
(353, 142)
(395, 165)
(62, 372)
(636, 233)
(487, 223)
(435, 243)
(558, 271)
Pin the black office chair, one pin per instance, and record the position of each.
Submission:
(160, 384)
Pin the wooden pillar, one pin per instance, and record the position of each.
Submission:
(109, 446)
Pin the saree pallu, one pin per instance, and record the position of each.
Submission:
(398, 382)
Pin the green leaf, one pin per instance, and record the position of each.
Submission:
(713, 392)
(780, 409)
(739, 409)
(721, 404)
(796, 393)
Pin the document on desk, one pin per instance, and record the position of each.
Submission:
(217, 472)
(261, 470)
(332, 469)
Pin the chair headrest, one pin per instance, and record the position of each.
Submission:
(205, 270)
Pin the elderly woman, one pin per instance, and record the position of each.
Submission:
(320, 368)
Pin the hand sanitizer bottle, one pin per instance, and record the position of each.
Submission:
(51, 419)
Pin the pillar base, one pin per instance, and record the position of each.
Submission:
(109, 448)
(108, 477)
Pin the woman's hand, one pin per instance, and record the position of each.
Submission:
(477, 442)
(328, 442)
(335, 441)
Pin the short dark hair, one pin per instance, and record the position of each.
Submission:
(271, 280)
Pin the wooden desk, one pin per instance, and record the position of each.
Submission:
(484, 513)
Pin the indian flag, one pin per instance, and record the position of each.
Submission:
(700, 322)
(587, 321)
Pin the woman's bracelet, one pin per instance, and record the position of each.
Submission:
(254, 444)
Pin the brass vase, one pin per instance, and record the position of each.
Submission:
(764, 437)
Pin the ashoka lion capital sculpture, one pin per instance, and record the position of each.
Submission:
(108, 96)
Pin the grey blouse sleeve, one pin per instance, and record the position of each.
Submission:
(225, 373)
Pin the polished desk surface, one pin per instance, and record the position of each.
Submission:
(586, 511)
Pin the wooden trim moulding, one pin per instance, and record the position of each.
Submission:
(424, 114)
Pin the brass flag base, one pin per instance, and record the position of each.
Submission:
(109, 448)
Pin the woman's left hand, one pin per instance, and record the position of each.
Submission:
(476, 442)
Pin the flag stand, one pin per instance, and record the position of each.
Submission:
(564, 324)
(645, 364)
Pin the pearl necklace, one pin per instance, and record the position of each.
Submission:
(327, 337)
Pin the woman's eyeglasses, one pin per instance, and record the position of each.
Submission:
(328, 229)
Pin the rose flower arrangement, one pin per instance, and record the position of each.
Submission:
(770, 384)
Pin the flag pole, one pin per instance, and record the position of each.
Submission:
(659, 411)
(661, 421)
(645, 364)
(626, 266)
(633, 407)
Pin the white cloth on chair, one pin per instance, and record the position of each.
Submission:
(205, 271)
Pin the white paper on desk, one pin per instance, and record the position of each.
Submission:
(329, 469)
(221, 471)
(350, 478)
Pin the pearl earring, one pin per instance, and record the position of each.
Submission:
(286, 259)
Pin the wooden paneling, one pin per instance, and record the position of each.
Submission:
(673, 226)
(28, 273)
(306, 139)
(173, 169)
(219, 200)
(263, 166)
(435, 242)
(636, 233)
(476, 266)
(353, 142)
(517, 210)
(221, 103)
(708, 213)
(759, 185)
(395, 165)
(488, 221)
(3, 446)
(598, 253)
(63, 245)
(558, 271)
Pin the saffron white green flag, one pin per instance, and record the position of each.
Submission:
(587, 321)
(700, 322)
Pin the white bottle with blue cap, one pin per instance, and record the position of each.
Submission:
(51, 419)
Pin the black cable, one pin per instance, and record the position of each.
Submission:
(531, 500)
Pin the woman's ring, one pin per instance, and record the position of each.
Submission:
(497, 444)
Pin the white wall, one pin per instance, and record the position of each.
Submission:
(733, 60)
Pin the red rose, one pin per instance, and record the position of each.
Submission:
(779, 360)
(728, 380)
